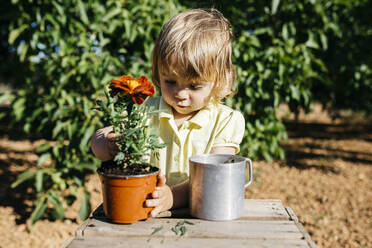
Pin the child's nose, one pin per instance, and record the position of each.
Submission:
(181, 94)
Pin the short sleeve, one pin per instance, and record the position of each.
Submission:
(230, 131)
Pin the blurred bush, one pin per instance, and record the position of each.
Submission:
(59, 54)
(296, 52)
(347, 83)
(69, 50)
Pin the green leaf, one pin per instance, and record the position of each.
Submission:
(311, 42)
(4, 97)
(285, 32)
(78, 181)
(43, 147)
(85, 208)
(83, 13)
(39, 210)
(87, 136)
(86, 165)
(295, 92)
(156, 230)
(274, 6)
(43, 158)
(175, 230)
(267, 155)
(18, 108)
(16, 32)
(57, 129)
(113, 12)
(23, 177)
(324, 41)
(254, 41)
(183, 230)
(39, 181)
(22, 51)
(71, 129)
(180, 223)
(59, 211)
(2, 115)
(58, 7)
(56, 150)
(27, 127)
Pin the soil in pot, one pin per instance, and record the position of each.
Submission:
(111, 168)
(124, 195)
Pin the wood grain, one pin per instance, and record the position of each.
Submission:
(266, 223)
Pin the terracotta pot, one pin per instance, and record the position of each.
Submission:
(124, 196)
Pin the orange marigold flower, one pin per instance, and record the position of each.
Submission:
(138, 89)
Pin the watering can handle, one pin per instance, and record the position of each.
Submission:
(250, 172)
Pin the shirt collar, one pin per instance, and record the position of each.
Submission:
(200, 119)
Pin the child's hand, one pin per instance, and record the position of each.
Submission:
(112, 146)
(162, 198)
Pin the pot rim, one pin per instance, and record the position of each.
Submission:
(129, 176)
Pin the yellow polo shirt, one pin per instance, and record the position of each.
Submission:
(214, 125)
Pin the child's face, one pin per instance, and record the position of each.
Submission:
(185, 98)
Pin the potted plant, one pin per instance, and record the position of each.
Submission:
(128, 180)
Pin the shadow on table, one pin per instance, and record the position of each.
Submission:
(99, 214)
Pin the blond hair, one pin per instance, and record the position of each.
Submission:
(196, 45)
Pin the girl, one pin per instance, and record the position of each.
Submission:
(192, 66)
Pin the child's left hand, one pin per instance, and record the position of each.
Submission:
(162, 197)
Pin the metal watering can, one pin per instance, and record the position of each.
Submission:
(217, 185)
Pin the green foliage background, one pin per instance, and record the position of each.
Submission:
(59, 54)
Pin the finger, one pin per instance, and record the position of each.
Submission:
(155, 212)
(111, 136)
(111, 139)
(152, 203)
(161, 180)
(155, 194)
(158, 193)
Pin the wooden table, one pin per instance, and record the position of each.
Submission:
(266, 223)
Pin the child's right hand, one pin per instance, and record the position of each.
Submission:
(162, 197)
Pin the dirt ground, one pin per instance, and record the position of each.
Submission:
(326, 181)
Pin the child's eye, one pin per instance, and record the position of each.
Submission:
(171, 82)
(196, 87)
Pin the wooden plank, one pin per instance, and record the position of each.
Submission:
(67, 242)
(254, 209)
(79, 231)
(266, 223)
(238, 229)
(307, 237)
(264, 209)
(300, 227)
(291, 214)
(181, 242)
